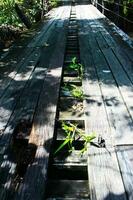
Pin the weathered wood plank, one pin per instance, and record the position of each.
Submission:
(13, 92)
(111, 93)
(24, 110)
(121, 72)
(44, 121)
(6, 162)
(96, 117)
(103, 35)
(19, 84)
(42, 137)
(119, 38)
(11, 66)
(119, 117)
(127, 180)
(96, 17)
(104, 175)
(113, 100)
(122, 40)
(109, 32)
(103, 167)
(25, 107)
(99, 85)
(125, 62)
(125, 160)
(123, 81)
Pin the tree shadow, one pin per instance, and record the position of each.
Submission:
(112, 196)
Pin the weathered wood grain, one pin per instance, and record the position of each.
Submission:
(125, 160)
(103, 167)
(112, 95)
(26, 106)
(103, 35)
(120, 39)
(13, 92)
(107, 103)
(105, 179)
(99, 29)
(124, 84)
(123, 41)
(33, 186)
(11, 66)
(18, 80)
(95, 114)
(119, 117)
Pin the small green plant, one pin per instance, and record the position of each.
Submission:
(73, 90)
(73, 133)
(77, 92)
(77, 67)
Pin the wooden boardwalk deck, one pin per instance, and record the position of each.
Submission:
(30, 78)
(109, 87)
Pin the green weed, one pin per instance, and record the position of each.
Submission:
(73, 133)
(77, 67)
(77, 92)
(73, 90)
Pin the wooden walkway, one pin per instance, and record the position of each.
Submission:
(30, 78)
(108, 84)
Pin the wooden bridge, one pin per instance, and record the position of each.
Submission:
(33, 105)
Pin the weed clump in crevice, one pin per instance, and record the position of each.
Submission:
(76, 67)
(69, 89)
(73, 134)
